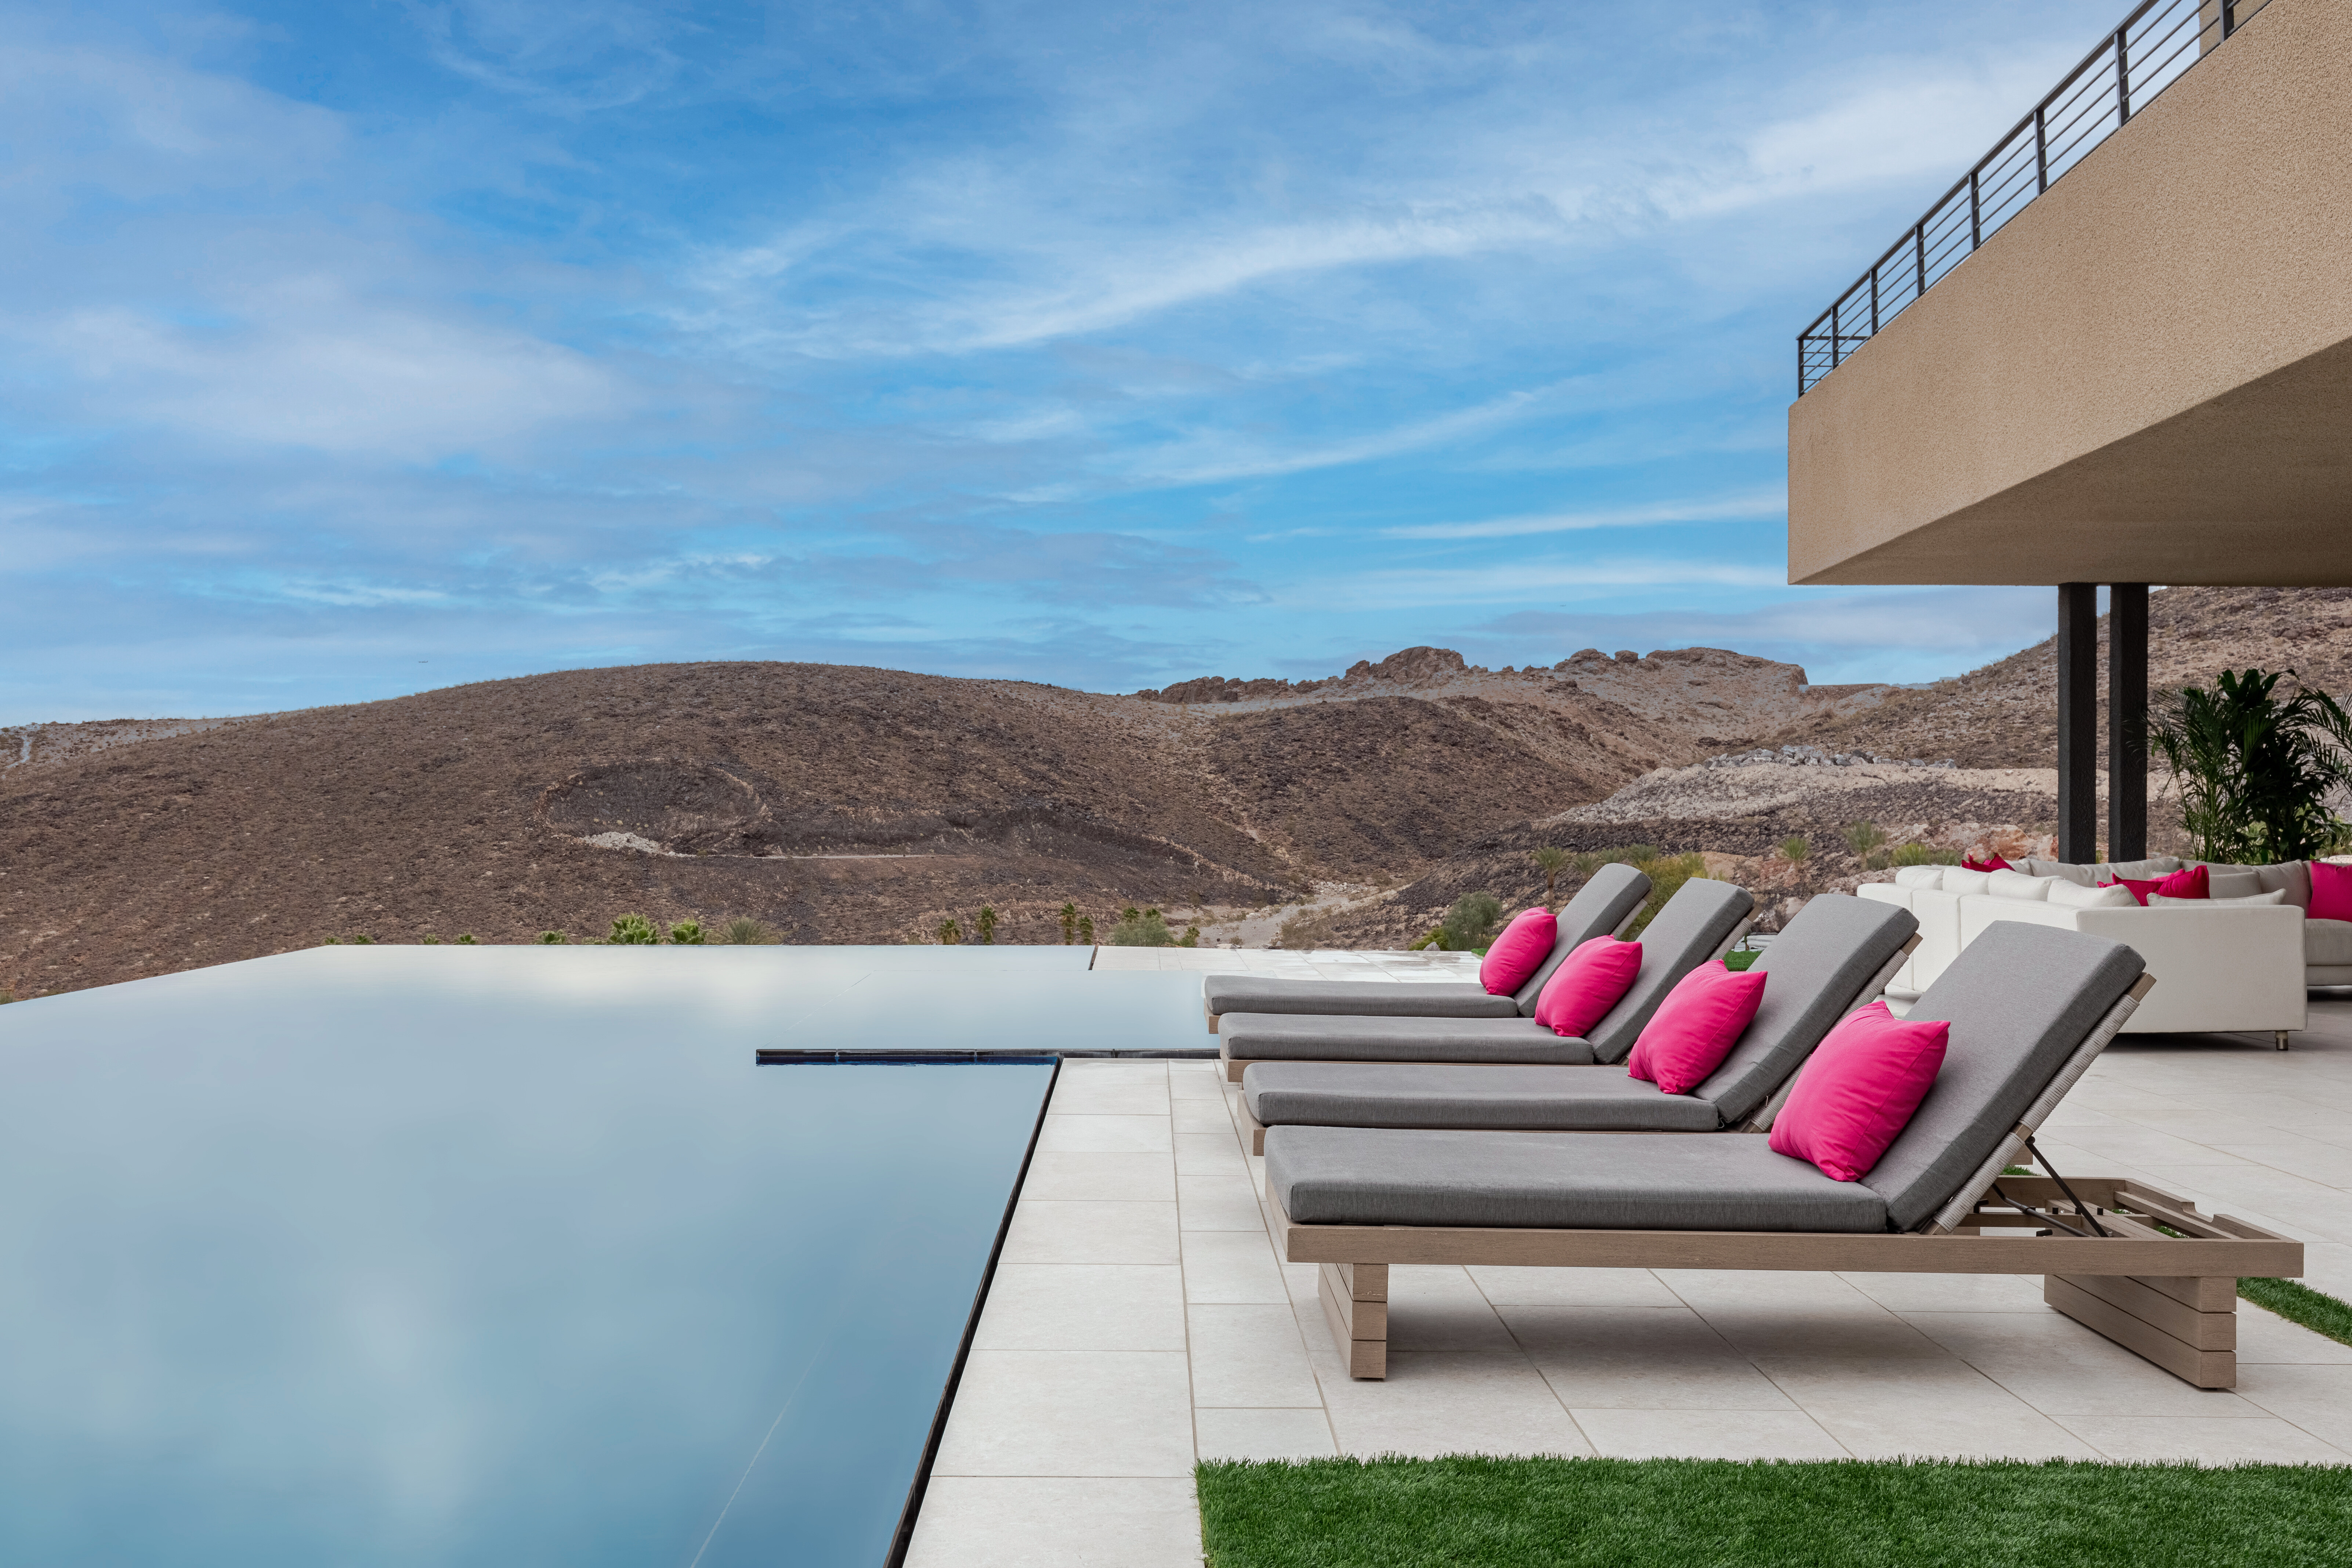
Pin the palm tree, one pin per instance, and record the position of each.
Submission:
(1549, 859)
(950, 934)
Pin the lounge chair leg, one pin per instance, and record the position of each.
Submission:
(2279, 1037)
(2187, 1325)
(1211, 1016)
(1356, 1304)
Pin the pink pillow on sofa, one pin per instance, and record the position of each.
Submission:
(1589, 982)
(1858, 1091)
(2138, 890)
(1695, 1027)
(2331, 892)
(2188, 882)
(1520, 951)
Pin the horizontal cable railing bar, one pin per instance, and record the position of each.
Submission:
(2157, 42)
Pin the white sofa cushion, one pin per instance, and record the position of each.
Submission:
(1919, 877)
(1956, 881)
(2277, 896)
(2328, 942)
(2072, 895)
(2018, 885)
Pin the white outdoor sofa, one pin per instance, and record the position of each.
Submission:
(2219, 967)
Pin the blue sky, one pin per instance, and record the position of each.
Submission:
(354, 349)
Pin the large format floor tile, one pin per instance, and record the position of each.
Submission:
(1035, 1522)
(1077, 1230)
(1707, 1435)
(1070, 1413)
(1083, 1306)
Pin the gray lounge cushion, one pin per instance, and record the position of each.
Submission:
(2020, 999)
(1600, 907)
(1815, 966)
(1227, 994)
(1694, 924)
(1816, 969)
(1577, 1181)
(1380, 1094)
(1686, 933)
(2327, 944)
(1275, 1036)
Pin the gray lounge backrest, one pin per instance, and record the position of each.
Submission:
(1600, 907)
(2020, 999)
(1817, 964)
(1697, 920)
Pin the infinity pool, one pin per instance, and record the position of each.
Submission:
(505, 1256)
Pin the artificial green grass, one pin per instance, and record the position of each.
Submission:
(2314, 1309)
(1466, 1512)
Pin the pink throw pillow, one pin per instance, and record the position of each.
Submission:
(1589, 982)
(2138, 890)
(1989, 863)
(1520, 951)
(1858, 1091)
(1695, 1027)
(2190, 883)
(2331, 892)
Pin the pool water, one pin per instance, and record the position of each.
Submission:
(506, 1256)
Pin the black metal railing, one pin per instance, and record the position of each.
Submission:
(2159, 42)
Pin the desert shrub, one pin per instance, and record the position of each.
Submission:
(986, 925)
(744, 932)
(688, 933)
(1471, 922)
(362, 941)
(552, 938)
(1191, 937)
(1862, 837)
(7, 995)
(1144, 928)
(633, 931)
(1667, 873)
(466, 939)
(1924, 854)
(950, 934)
(1793, 849)
(1549, 859)
(332, 941)
(1086, 929)
(431, 941)
(1069, 924)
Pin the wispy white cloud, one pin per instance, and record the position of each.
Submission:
(1750, 506)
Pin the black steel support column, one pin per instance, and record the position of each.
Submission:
(2126, 720)
(2078, 721)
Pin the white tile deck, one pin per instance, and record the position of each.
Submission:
(1141, 1319)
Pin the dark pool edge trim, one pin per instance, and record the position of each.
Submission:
(905, 1536)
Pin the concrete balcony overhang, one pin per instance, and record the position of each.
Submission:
(2144, 376)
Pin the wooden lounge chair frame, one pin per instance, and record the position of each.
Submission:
(2129, 1261)
(1761, 1122)
(1234, 1067)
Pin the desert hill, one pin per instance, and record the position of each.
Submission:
(832, 804)
(2000, 721)
(849, 804)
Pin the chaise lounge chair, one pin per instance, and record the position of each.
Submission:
(1837, 955)
(2029, 1011)
(1701, 921)
(1605, 905)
